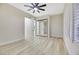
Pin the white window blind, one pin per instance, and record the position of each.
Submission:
(76, 22)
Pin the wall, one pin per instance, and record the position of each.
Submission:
(11, 23)
(72, 47)
(56, 26)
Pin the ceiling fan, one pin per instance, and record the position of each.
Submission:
(35, 7)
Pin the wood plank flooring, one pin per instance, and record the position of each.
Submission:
(37, 46)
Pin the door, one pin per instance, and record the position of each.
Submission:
(29, 29)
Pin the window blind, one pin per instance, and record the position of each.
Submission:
(76, 21)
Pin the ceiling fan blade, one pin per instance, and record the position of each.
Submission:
(38, 11)
(42, 9)
(28, 6)
(42, 5)
(32, 4)
(29, 9)
(37, 4)
(33, 11)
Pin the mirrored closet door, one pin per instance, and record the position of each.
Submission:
(42, 27)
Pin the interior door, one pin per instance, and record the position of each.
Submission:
(29, 29)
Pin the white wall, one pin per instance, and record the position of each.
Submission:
(73, 48)
(56, 26)
(11, 23)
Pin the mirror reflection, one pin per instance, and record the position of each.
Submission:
(42, 27)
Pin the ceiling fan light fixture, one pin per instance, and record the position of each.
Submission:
(35, 9)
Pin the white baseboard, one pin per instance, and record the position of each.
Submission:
(9, 42)
(56, 37)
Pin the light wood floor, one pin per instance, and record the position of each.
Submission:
(37, 46)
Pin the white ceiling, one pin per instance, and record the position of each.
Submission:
(50, 9)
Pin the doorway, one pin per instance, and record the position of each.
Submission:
(29, 29)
